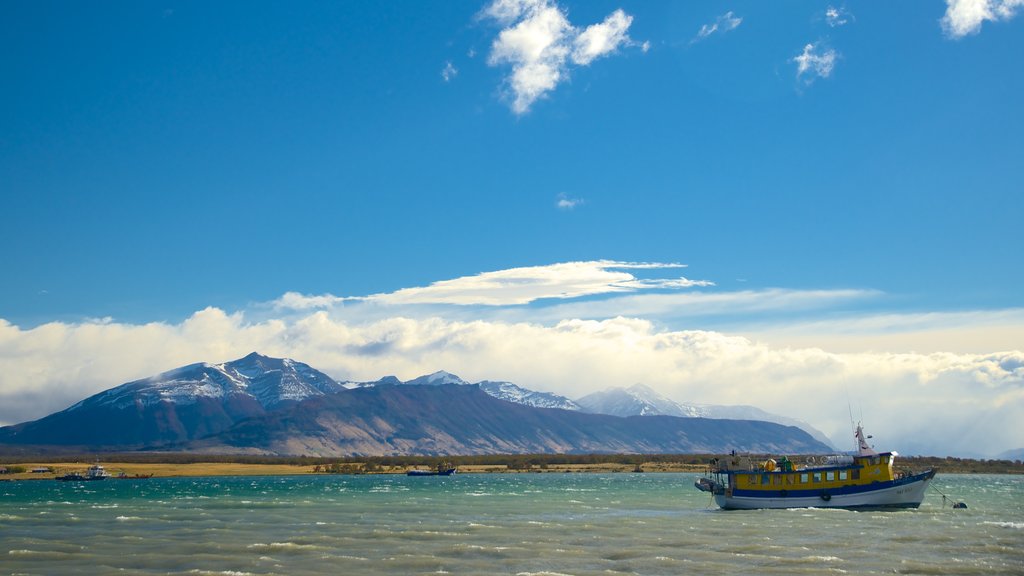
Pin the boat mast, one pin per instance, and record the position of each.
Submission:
(863, 448)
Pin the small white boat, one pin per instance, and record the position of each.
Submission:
(95, 472)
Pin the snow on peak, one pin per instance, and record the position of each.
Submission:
(269, 381)
(437, 379)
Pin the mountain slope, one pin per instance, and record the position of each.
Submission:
(457, 419)
(502, 390)
(182, 404)
(512, 393)
(640, 400)
(637, 400)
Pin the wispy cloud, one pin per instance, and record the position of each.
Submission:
(836, 17)
(539, 43)
(965, 17)
(723, 24)
(518, 286)
(449, 72)
(815, 62)
(566, 202)
(511, 287)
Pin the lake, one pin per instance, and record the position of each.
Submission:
(528, 524)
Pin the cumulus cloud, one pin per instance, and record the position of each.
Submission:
(723, 23)
(601, 39)
(586, 326)
(815, 62)
(964, 17)
(935, 403)
(539, 43)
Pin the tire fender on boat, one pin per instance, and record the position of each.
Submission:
(825, 496)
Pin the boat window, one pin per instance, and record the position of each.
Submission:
(789, 479)
(817, 476)
(764, 478)
(830, 476)
(777, 480)
(803, 478)
(855, 474)
(842, 474)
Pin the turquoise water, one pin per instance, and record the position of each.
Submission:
(489, 523)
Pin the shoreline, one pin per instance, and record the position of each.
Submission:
(23, 471)
(199, 470)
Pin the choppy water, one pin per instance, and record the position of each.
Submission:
(487, 524)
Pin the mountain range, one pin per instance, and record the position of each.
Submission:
(265, 405)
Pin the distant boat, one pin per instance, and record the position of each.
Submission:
(443, 469)
(865, 480)
(95, 472)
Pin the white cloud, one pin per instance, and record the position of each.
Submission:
(297, 301)
(964, 17)
(723, 23)
(510, 287)
(565, 202)
(971, 332)
(449, 72)
(837, 16)
(815, 62)
(601, 39)
(584, 326)
(538, 42)
(739, 307)
(518, 286)
(934, 403)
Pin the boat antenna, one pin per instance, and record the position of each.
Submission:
(853, 425)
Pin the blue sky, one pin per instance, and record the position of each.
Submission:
(838, 178)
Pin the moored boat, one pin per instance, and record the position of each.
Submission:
(443, 469)
(95, 472)
(864, 480)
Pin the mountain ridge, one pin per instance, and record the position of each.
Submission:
(259, 404)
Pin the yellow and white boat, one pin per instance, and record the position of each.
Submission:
(864, 480)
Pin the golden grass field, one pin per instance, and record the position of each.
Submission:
(159, 470)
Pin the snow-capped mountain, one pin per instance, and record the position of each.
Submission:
(269, 381)
(278, 406)
(741, 412)
(640, 400)
(512, 393)
(502, 390)
(637, 400)
(179, 405)
(438, 378)
(350, 385)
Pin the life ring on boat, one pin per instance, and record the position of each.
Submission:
(825, 496)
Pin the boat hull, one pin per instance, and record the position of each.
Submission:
(902, 493)
(430, 472)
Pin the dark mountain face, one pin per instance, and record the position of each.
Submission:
(455, 419)
(183, 404)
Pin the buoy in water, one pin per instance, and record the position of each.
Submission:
(961, 505)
